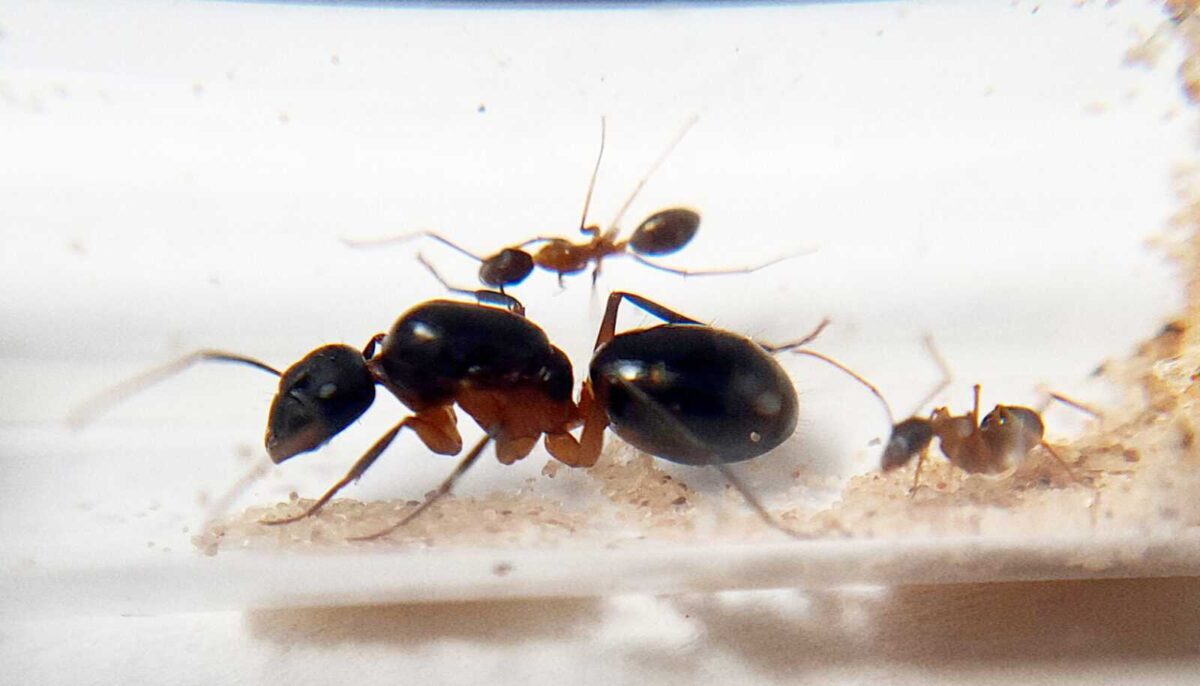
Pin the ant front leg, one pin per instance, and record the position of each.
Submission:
(436, 430)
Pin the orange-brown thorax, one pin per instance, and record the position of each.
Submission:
(963, 444)
(562, 256)
(517, 416)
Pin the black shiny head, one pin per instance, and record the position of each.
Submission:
(1011, 432)
(909, 438)
(508, 267)
(665, 232)
(318, 396)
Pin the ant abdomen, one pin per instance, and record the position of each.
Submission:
(665, 232)
(693, 394)
(1010, 431)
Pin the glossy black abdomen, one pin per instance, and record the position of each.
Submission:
(693, 395)
(436, 347)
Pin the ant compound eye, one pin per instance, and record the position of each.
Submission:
(506, 268)
(318, 397)
(665, 232)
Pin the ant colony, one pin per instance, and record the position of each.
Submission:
(679, 391)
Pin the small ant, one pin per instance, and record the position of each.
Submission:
(977, 446)
(662, 233)
(682, 391)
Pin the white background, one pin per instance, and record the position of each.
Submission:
(179, 175)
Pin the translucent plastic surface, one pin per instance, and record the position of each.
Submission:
(989, 175)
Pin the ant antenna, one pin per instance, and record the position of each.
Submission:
(1069, 402)
(947, 376)
(796, 348)
(587, 200)
(86, 412)
(481, 296)
(654, 167)
(406, 237)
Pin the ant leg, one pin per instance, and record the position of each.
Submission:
(1062, 463)
(608, 325)
(87, 411)
(587, 200)
(435, 427)
(584, 452)
(353, 475)
(887, 409)
(754, 503)
(404, 238)
(596, 272)
(221, 504)
(482, 296)
(812, 336)
(713, 272)
(975, 410)
(668, 422)
(795, 348)
(947, 377)
(917, 474)
(441, 491)
(1069, 402)
(369, 348)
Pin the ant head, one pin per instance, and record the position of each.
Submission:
(909, 438)
(318, 396)
(665, 232)
(508, 267)
(1011, 431)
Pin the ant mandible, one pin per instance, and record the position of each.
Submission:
(977, 446)
(662, 233)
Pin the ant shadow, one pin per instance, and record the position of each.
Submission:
(776, 635)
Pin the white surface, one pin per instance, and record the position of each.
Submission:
(982, 172)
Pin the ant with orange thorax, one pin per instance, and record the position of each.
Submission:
(680, 391)
(663, 233)
(989, 445)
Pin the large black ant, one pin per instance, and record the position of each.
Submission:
(977, 446)
(662, 233)
(682, 391)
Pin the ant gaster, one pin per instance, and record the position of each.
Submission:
(662, 233)
(977, 446)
